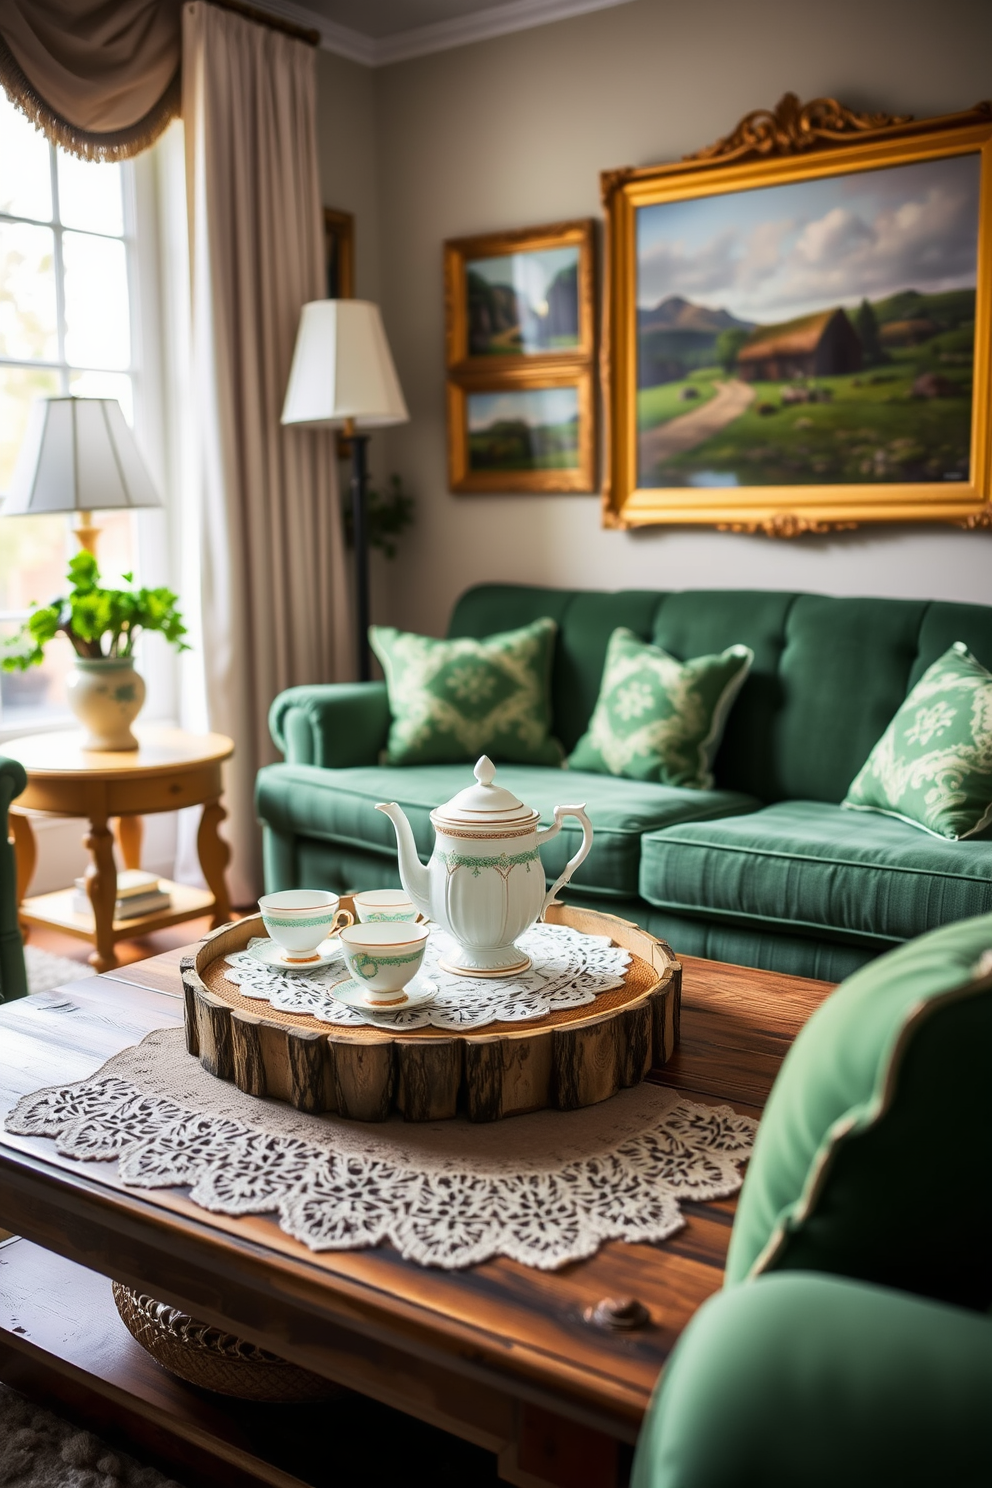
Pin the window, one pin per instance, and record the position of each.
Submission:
(66, 326)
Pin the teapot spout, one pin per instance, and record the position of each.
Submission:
(414, 877)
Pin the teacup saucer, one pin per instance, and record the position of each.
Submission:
(415, 994)
(271, 954)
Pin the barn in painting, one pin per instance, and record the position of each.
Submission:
(821, 345)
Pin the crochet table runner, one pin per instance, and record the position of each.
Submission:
(568, 970)
(542, 1189)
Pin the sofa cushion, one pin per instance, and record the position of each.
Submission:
(457, 699)
(657, 718)
(813, 868)
(874, 1154)
(339, 806)
(933, 765)
(828, 675)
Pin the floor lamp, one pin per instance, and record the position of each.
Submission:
(79, 455)
(343, 376)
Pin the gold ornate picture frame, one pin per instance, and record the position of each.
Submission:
(798, 329)
(520, 341)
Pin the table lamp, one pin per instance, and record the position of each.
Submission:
(343, 375)
(78, 455)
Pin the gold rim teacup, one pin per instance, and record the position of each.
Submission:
(298, 920)
(383, 957)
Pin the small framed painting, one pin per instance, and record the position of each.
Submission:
(534, 434)
(339, 253)
(516, 297)
(799, 325)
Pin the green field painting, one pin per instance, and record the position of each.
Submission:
(537, 429)
(815, 333)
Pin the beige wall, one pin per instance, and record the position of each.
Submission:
(515, 131)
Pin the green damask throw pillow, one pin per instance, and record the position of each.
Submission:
(657, 718)
(933, 765)
(454, 700)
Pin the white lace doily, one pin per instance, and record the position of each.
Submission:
(568, 970)
(543, 1189)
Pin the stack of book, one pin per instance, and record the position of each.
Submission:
(138, 893)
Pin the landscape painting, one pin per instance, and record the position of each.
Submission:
(523, 303)
(527, 429)
(814, 332)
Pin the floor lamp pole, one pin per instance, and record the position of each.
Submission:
(360, 533)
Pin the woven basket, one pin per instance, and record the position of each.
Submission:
(212, 1359)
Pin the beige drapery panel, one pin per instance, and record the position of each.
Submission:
(100, 77)
(274, 604)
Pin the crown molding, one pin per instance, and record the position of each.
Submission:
(440, 36)
(342, 40)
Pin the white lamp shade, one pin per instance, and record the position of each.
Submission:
(342, 368)
(78, 454)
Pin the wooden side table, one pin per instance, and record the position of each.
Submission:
(171, 769)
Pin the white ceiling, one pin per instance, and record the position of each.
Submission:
(379, 31)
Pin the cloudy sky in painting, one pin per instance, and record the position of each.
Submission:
(535, 407)
(781, 251)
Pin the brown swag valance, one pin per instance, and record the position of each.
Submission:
(101, 78)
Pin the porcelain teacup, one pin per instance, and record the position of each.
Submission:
(383, 956)
(299, 919)
(373, 905)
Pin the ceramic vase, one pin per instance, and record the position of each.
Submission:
(106, 695)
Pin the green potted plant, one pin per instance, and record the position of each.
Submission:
(105, 692)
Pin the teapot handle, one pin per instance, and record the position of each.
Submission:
(579, 812)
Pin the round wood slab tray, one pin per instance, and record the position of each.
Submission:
(571, 1058)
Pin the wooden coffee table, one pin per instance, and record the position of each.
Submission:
(169, 770)
(500, 1355)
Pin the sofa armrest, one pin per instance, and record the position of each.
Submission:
(798, 1380)
(336, 725)
(12, 979)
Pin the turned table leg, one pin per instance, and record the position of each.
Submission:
(25, 857)
(101, 886)
(214, 855)
(130, 831)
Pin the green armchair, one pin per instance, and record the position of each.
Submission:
(13, 979)
(853, 1340)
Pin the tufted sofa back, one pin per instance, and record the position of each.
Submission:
(828, 673)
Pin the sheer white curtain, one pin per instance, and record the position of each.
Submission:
(274, 608)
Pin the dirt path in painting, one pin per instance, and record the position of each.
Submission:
(691, 429)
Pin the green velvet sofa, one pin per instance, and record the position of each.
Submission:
(764, 870)
(852, 1342)
(13, 980)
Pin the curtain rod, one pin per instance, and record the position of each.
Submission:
(274, 22)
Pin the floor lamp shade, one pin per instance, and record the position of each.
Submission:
(78, 454)
(342, 368)
(343, 373)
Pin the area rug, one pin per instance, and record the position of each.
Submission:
(45, 971)
(38, 1450)
(543, 1189)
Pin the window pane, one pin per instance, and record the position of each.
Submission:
(105, 385)
(19, 386)
(97, 325)
(25, 166)
(27, 292)
(33, 556)
(90, 195)
(37, 695)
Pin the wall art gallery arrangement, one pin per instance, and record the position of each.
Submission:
(520, 358)
(797, 332)
(799, 325)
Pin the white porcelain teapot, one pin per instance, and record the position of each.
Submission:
(484, 883)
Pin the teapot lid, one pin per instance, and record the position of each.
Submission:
(485, 804)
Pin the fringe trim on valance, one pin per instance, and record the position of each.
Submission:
(117, 144)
